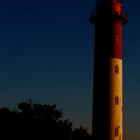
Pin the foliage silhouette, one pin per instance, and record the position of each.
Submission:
(37, 121)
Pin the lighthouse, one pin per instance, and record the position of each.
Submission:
(108, 19)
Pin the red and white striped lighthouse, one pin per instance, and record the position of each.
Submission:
(107, 100)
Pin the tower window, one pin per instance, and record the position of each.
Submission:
(116, 37)
(116, 100)
(116, 69)
(117, 131)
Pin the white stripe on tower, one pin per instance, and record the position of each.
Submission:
(116, 99)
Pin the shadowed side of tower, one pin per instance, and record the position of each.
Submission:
(107, 99)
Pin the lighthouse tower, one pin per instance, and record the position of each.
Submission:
(107, 98)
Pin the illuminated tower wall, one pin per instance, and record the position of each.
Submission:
(107, 99)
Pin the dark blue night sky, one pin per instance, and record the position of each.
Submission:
(46, 54)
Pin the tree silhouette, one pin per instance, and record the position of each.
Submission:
(81, 134)
(37, 121)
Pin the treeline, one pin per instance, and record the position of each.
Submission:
(38, 121)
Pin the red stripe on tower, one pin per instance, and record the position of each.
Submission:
(117, 40)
